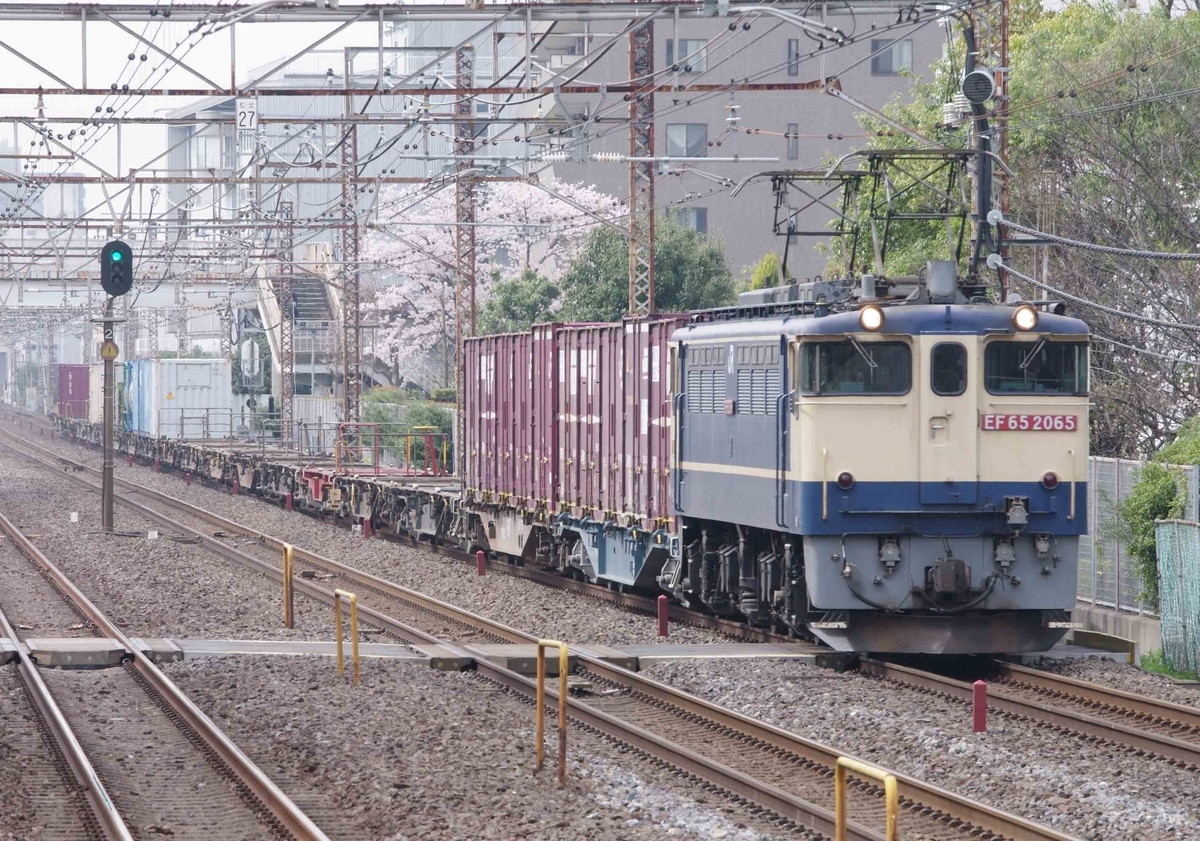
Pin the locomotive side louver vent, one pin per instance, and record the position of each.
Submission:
(706, 391)
(757, 391)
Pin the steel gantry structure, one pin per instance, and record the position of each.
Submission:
(81, 131)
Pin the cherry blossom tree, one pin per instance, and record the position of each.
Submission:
(522, 228)
(541, 232)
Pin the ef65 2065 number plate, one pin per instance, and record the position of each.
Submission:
(1029, 423)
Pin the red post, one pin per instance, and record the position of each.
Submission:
(480, 562)
(157, 466)
(662, 616)
(131, 461)
(979, 706)
(187, 479)
(234, 488)
(287, 501)
(366, 527)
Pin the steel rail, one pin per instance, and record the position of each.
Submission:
(631, 601)
(919, 795)
(1173, 750)
(1120, 701)
(88, 783)
(785, 805)
(281, 807)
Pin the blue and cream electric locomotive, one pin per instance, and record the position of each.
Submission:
(885, 465)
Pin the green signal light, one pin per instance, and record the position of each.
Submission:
(116, 256)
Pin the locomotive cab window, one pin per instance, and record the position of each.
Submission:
(948, 369)
(854, 367)
(1041, 367)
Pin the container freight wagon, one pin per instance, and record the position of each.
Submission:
(73, 392)
(96, 391)
(568, 440)
(179, 398)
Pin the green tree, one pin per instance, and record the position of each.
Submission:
(1103, 147)
(1159, 493)
(516, 305)
(689, 274)
(766, 272)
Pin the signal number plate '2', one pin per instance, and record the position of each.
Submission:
(1029, 423)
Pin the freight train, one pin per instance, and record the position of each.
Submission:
(887, 465)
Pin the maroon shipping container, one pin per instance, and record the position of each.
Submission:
(507, 420)
(572, 419)
(615, 420)
(72, 391)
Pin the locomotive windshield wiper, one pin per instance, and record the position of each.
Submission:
(862, 351)
(1028, 360)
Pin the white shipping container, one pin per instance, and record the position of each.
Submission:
(180, 398)
(326, 411)
(95, 412)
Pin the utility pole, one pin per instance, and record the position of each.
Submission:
(464, 232)
(285, 295)
(109, 353)
(641, 170)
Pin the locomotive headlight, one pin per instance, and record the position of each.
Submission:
(870, 318)
(845, 481)
(1025, 317)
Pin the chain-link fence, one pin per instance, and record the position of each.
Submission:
(1178, 543)
(1108, 576)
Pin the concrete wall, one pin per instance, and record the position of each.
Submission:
(1146, 631)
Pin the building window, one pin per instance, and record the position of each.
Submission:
(793, 141)
(691, 54)
(793, 56)
(695, 218)
(891, 58)
(687, 140)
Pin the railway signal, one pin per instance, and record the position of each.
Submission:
(116, 277)
(116, 268)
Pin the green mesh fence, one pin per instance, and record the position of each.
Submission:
(1178, 547)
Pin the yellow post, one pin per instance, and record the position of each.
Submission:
(289, 616)
(890, 791)
(563, 668)
(354, 637)
(337, 625)
(338, 595)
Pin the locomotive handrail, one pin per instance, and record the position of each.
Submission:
(678, 426)
(781, 450)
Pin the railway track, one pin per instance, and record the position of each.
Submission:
(96, 814)
(622, 598)
(786, 777)
(1151, 727)
(170, 741)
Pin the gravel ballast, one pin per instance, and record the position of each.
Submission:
(518, 602)
(35, 802)
(413, 753)
(150, 588)
(1094, 791)
(1124, 677)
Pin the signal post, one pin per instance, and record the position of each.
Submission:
(116, 277)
